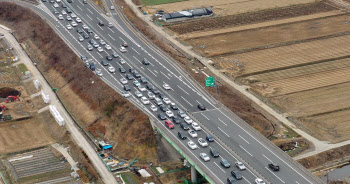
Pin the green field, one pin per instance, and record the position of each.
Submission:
(156, 2)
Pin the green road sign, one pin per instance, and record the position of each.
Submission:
(210, 81)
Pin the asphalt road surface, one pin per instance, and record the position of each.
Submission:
(234, 139)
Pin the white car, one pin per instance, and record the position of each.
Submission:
(96, 37)
(138, 94)
(73, 15)
(202, 142)
(69, 18)
(123, 81)
(64, 12)
(196, 126)
(169, 114)
(136, 83)
(56, 5)
(125, 94)
(111, 69)
(240, 166)
(81, 38)
(166, 101)
(259, 181)
(166, 86)
(204, 157)
(99, 73)
(192, 145)
(108, 47)
(112, 7)
(78, 19)
(58, 1)
(153, 108)
(74, 24)
(89, 47)
(85, 26)
(99, 49)
(122, 49)
(193, 133)
(182, 114)
(151, 95)
(142, 88)
(188, 120)
(144, 100)
(122, 61)
(69, 27)
(60, 16)
(102, 42)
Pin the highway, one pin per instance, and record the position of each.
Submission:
(235, 140)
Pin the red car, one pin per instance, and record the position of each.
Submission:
(169, 124)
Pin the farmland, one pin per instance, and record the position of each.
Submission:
(295, 58)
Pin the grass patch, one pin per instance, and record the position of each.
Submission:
(290, 133)
(156, 2)
(22, 67)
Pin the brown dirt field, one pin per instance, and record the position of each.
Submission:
(219, 44)
(218, 22)
(26, 131)
(226, 7)
(286, 56)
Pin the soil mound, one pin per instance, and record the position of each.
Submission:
(5, 92)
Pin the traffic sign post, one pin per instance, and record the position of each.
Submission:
(210, 81)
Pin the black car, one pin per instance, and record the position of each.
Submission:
(115, 55)
(145, 61)
(274, 167)
(131, 70)
(89, 31)
(176, 119)
(231, 180)
(109, 58)
(149, 86)
(122, 70)
(155, 91)
(137, 75)
(236, 174)
(92, 66)
(161, 95)
(129, 77)
(104, 63)
(143, 80)
(126, 88)
(209, 138)
(86, 36)
(101, 23)
(163, 108)
(182, 135)
(64, 5)
(79, 30)
(69, 10)
(214, 153)
(174, 107)
(43, 1)
(225, 163)
(202, 107)
(184, 126)
(69, 1)
(162, 116)
(83, 58)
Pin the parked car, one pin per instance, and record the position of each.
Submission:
(126, 88)
(122, 49)
(145, 61)
(166, 86)
(144, 100)
(162, 116)
(204, 157)
(188, 120)
(214, 153)
(209, 138)
(184, 126)
(176, 119)
(240, 166)
(111, 69)
(196, 127)
(192, 145)
(169, 124)
(202, 107)
(202, 142)
(237, 175)
(259, 181)
(125, 94)
(122, 70)
(104, 63)
(169, 114)
(225, 163)
(138, 94)
(153, 108)
(231, 180)
(182, 135)
(193, 133)
(151, 95)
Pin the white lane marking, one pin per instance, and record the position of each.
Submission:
(274, 174)
(151, 72)
(99, 54)
(243, 139)
(223, 132)
(267, 158)
(245, 150)
(79, 8)
(91, 12)
(156, 71)
(186, 101)
(246, 180)
(121, 39)
(111, 30)
(164, 75)
(136, 59)
(100, 27)
(111, 37)
(205, 116)
(142, 68)
(266, 147)
(89, 17)
(135, 51)
(182, 89)
(296, 182)
(219, 167)
(222, 122)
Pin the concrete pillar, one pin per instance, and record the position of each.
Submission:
(193, 174)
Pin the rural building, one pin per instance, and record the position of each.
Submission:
(183, 15)
(104, 145)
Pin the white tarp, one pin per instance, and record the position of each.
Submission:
(144, 173)
(45, 97)
(57, 115)
(36, 84)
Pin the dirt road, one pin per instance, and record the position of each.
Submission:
(80, 140)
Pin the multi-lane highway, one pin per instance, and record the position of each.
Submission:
(234, 139)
